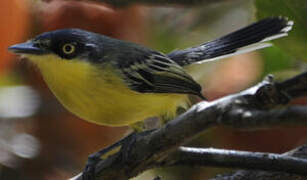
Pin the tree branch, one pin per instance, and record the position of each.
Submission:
(254, 119)
(300, 152)
(147, 150)
(186, 156)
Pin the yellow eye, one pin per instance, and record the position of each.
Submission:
(68, 48)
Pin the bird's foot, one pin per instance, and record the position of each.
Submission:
(93, 159)
(123, 146)
(89, 170)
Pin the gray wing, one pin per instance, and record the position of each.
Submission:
(153, 72)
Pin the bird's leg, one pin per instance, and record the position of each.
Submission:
(123, 145)
(93, 159)
(138, 127)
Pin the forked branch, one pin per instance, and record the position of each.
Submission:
(252, 108)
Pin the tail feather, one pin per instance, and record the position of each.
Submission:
(247, 39)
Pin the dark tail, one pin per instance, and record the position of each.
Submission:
(247, 39)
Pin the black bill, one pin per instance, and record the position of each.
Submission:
(27, 48)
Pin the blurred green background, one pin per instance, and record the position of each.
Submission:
(39, 139)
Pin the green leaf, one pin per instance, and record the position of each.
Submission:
(296, 10)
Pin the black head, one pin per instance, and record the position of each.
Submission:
(66, 43)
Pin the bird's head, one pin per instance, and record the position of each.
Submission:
(66, 44)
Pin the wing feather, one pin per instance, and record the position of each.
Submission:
(156, 73)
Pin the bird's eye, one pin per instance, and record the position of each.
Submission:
(68, 48)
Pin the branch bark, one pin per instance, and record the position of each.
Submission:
(300, 152)
(246, 109)
(187, 156)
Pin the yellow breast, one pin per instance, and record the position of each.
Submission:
(98, 94)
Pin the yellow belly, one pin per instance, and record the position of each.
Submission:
(98, 95)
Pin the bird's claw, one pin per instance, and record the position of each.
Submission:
(93, 159)
(89, 170)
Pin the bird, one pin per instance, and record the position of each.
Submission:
(113, 82)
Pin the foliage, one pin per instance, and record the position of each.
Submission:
(295, 10)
